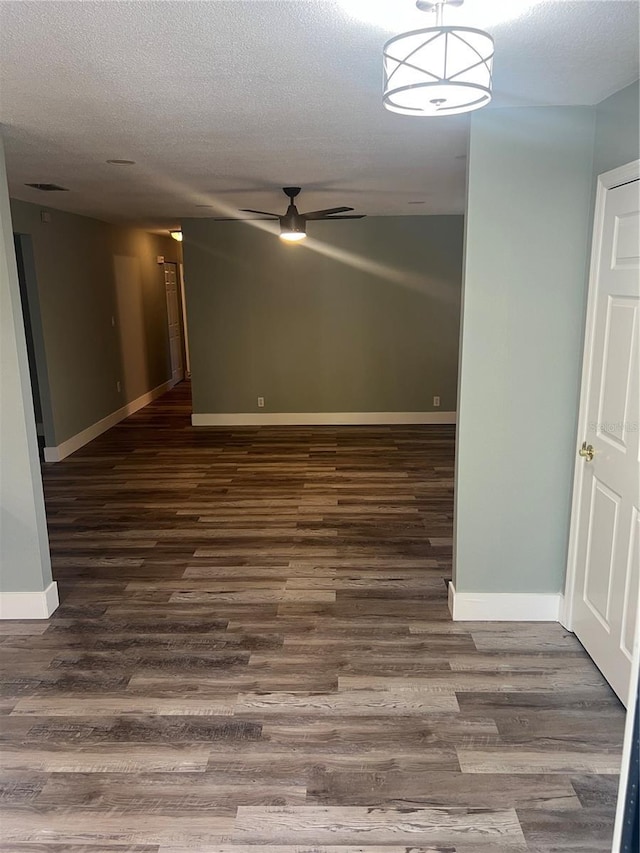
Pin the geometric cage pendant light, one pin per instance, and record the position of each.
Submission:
(439, 70)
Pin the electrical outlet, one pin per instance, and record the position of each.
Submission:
(261, 402)
(118, 386)
(436, 402)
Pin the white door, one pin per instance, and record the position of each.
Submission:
(173, 314)
(604, 559)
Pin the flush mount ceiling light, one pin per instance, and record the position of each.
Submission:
(439, 70)
(177, 235)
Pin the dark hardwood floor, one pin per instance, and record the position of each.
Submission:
(254, 653)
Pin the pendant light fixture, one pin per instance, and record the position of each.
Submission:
(439, 70)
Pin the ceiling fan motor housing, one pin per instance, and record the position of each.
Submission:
(292, 220)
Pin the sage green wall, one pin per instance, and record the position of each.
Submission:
(367, 322)
(528, 222)
(25, 565)
(87, 272)
(617, 130)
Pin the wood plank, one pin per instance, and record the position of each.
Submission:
(506, 760)
(349, 703)
(123, 705)
(442, 789)
(81, 827)
(348, 824)
(112, 758)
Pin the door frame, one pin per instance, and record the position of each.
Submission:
(177, 266)
(627, 746)
(605, 182)
(185, 330)
(30, 303)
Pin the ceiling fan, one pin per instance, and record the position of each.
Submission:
(293, 225)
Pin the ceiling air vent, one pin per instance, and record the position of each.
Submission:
(48, 188)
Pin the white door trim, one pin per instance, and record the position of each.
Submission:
(606, 181)
(176, 271)
(185, 332)
(628, 741)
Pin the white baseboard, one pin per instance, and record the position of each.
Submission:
(505, 606)
(321, 418)
(61, 451)
(29, 605)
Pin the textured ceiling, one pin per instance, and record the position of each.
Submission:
(222, 102)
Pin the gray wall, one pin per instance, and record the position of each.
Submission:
(529, 193)
(25, 565)
(87, 272)
(363, 317)
(529, 221)
(617, 130)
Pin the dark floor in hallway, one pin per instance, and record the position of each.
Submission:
(254, 653)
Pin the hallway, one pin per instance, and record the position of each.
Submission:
(254, 652)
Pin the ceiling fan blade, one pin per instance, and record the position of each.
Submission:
(333, 218)
(261, 212)
(238, 219)
(320, 214)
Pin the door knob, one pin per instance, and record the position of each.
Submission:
(587, 451)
